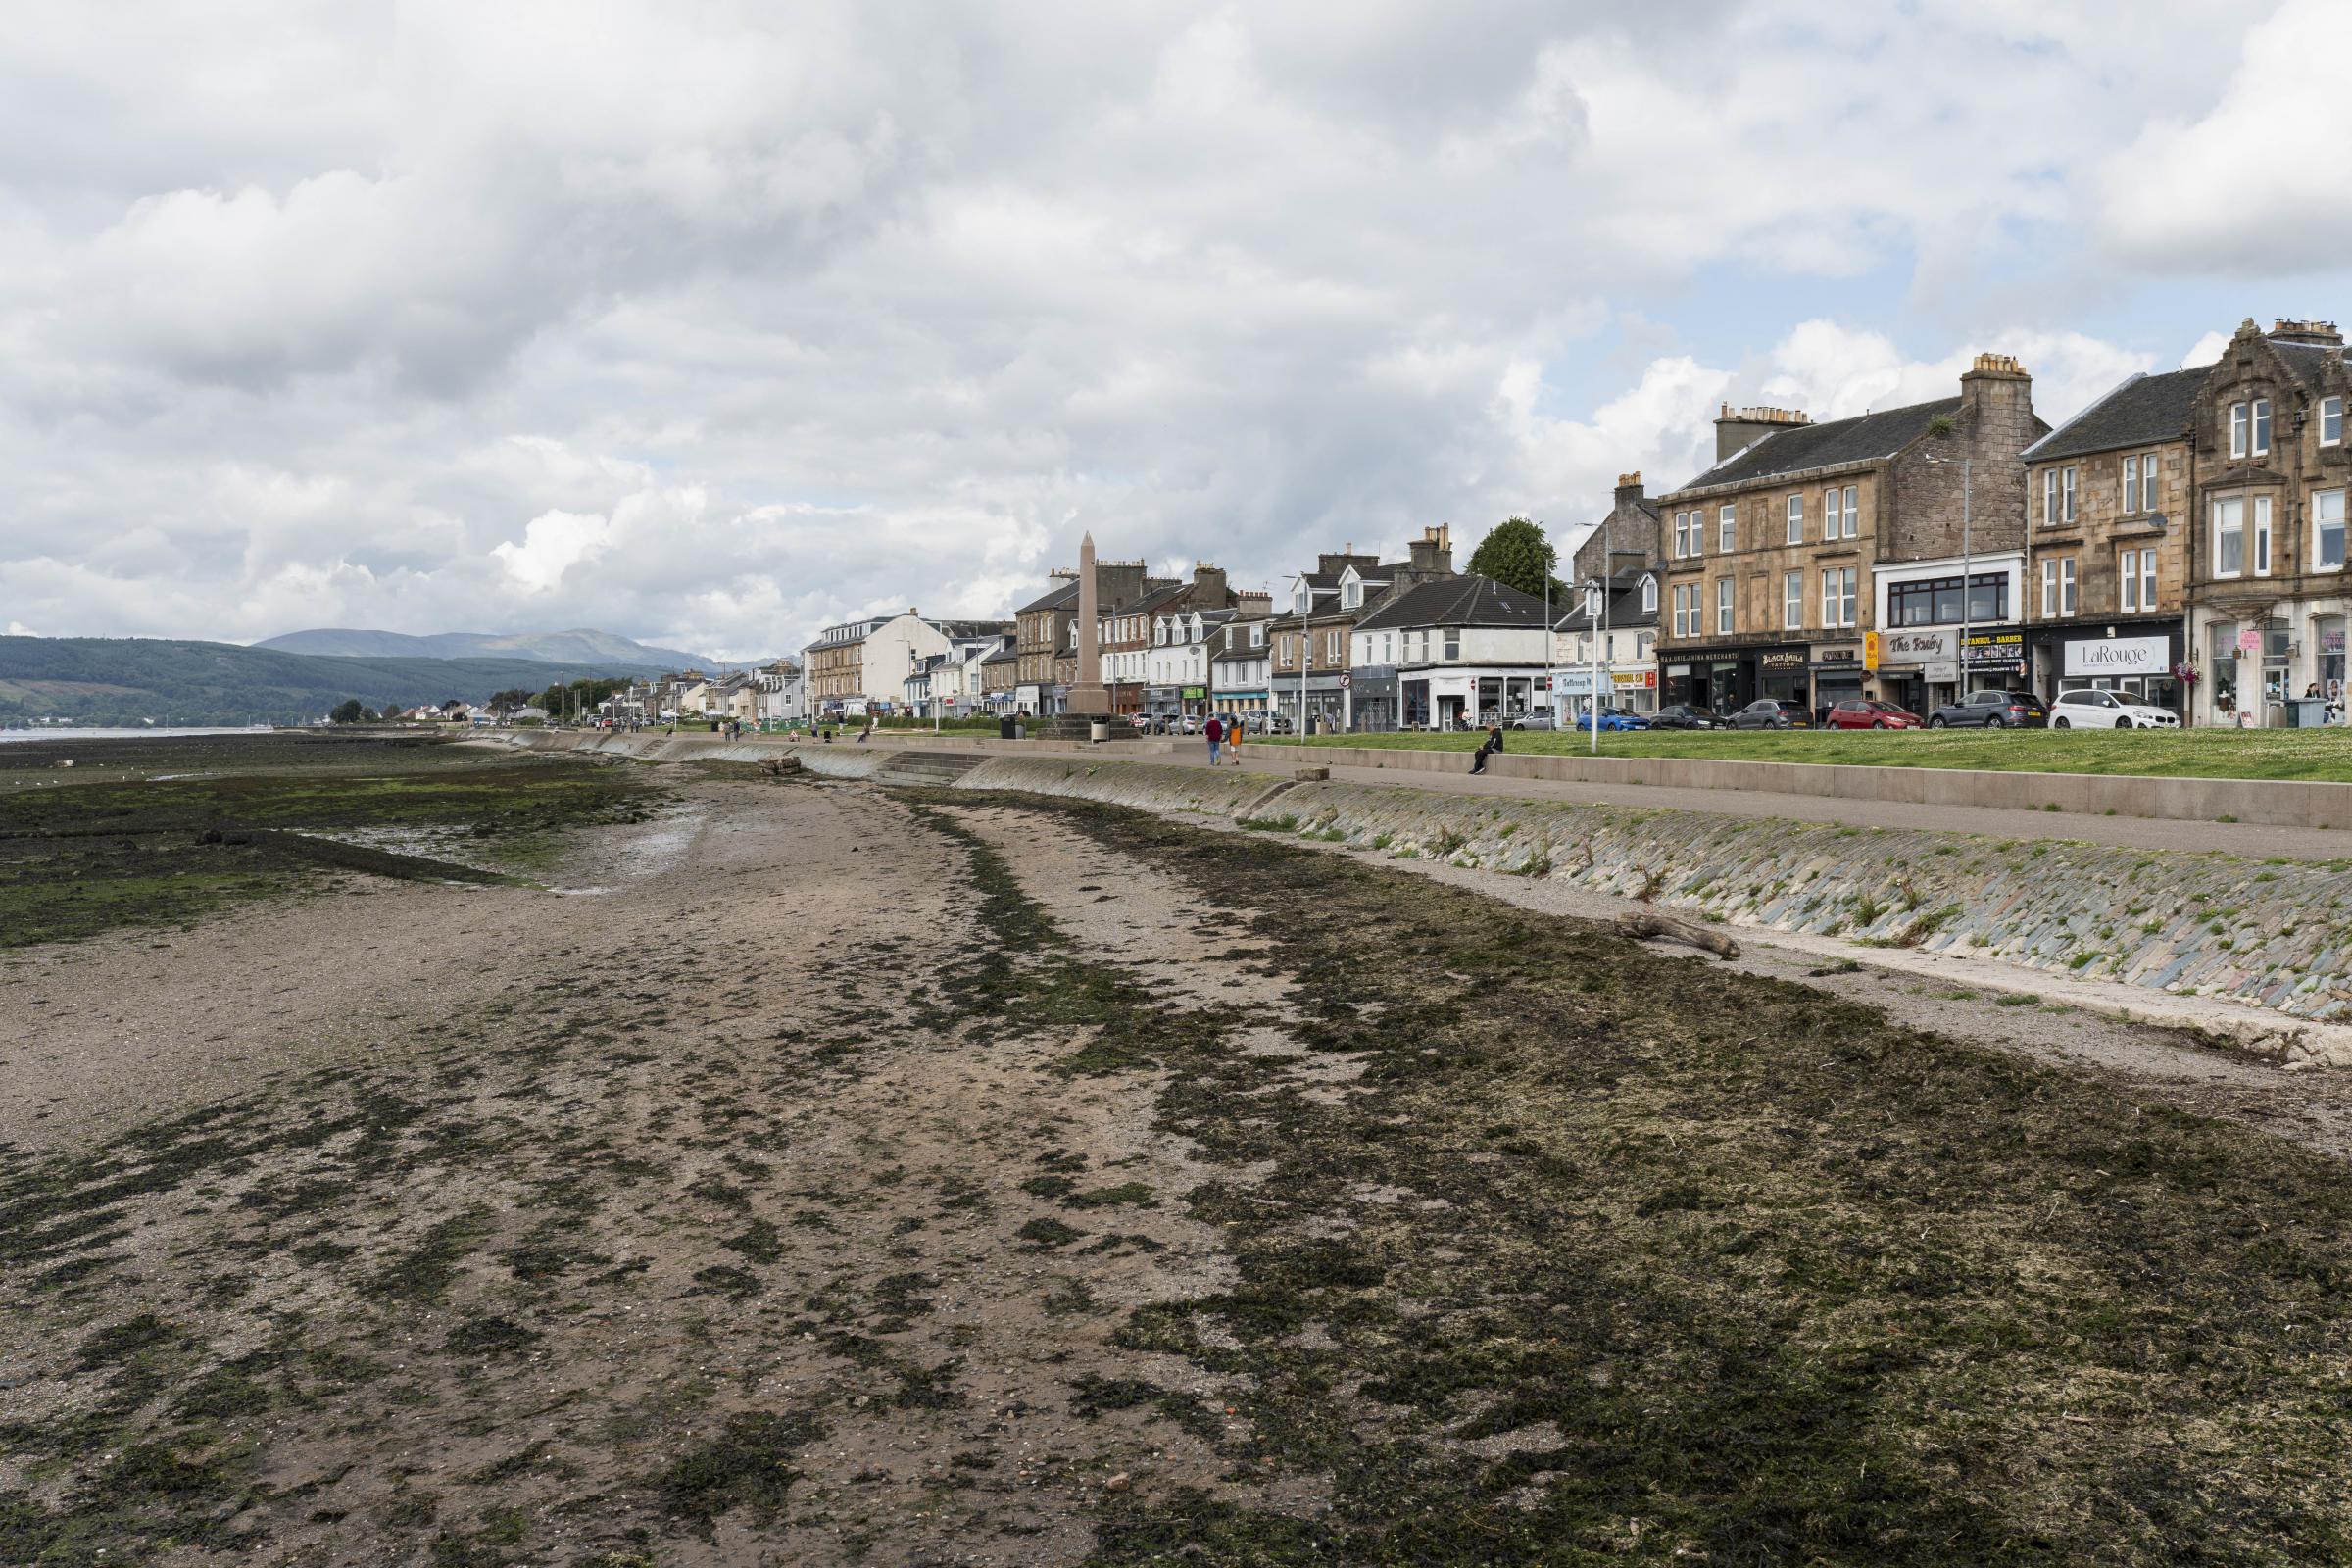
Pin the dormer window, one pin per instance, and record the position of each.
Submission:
(1650, 596)
(1300, 599)
(1351, 590)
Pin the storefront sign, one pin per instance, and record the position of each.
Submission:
(1870, 649)
(1639, 681)
(1997, 650)
(1195, 693)
(1837, 655)
(2119, 656)
(1947, 670)
(1575, 683)
(2250, 639)
(1916, 646)
(1674, 670)
(1784, 659)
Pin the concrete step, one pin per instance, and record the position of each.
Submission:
(930, 770)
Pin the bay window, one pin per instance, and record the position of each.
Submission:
(2229, 536)
(2328, 530)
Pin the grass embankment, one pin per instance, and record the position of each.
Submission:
(1619, 1256)
(2313, 753)
(124, 838)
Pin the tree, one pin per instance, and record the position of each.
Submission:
(348, 712)
(1517, 555)
(506, 702)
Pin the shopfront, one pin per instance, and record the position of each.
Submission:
(1466, 699)
(1635, 690)
(2254, 658)
(1995, 658)
(1724, 679)
(1837, 675)
(1919, 671)
(2132, 660)
(1372, 699)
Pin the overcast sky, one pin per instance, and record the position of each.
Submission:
(712, 323)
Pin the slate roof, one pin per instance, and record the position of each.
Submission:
(1836, 444)
(1624, 607)
(2144, 408)
(2302, 359)
(1465, 601)
(1064, 597)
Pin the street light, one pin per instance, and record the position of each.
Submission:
(1592, 604)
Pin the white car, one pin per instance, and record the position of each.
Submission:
(2097, 710)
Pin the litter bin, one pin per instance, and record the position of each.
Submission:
(2307, 712)
(1005, 729)
(1020, 731)
(1098, 733)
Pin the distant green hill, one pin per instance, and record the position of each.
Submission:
(578, 647)
(105, 680)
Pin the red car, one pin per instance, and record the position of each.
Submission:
(1868, 712)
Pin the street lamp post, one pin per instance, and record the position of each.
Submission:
(1592, 598)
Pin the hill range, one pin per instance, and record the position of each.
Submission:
(580, 646)
(136, 680)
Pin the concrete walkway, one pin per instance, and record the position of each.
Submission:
(2251, 840)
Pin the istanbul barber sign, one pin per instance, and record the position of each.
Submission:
(2118, 656)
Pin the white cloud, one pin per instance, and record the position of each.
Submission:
(2275, 196)
(710, 327)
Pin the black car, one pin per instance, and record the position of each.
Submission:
(1688, 715)
(1773, 712)
(1993, 710)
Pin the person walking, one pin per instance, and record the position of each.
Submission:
(1488, 748)
(1232, 739)
(1214, 731)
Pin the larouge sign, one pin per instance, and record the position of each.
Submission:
(2118, 656)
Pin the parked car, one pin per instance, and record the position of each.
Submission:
(1773, 712)
(1623, 719)
(2098, 709)
(1993, 710)
(1537, 720)
(1688, 715)
(1868, 712)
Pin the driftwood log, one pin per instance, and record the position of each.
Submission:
(1649, 923)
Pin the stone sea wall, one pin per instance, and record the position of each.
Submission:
(2273, 935)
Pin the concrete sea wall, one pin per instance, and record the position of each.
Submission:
(2273, 935)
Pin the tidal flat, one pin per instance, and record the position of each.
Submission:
(893, 1176)
(163, 832)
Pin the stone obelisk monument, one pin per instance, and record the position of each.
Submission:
(1089, 700)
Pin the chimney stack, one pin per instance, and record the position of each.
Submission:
(1998, 384)
(1736, 429)
(2320, 334)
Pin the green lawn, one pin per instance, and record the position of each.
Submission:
(2311, 754)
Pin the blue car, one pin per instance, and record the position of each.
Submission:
(1616, 718)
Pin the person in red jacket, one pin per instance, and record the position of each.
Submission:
(1214, 729)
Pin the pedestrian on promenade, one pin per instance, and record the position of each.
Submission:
(1232, 739)
(1487, 747)
(1214, 729)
